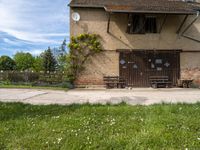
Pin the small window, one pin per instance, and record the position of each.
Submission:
(140, 24)
(150, 25)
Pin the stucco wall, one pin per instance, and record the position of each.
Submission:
(95, 21)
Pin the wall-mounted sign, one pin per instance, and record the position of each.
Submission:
(167, 64)
(158, 61)
(122, 62)
(135, 66)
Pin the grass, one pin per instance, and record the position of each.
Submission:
(99, 127)
(32, 87)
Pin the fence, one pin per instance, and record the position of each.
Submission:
(50, 78)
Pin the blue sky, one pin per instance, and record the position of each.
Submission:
(32, 25)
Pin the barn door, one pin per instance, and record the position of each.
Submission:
(133, 67)
(165, 64)
(137, 67)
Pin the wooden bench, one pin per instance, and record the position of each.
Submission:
(184, 83)
(159, 81)
(114, 82)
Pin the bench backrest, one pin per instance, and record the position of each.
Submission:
(158, 77)
(113, 78)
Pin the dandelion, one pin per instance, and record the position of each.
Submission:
(56, 117)
(59, 140)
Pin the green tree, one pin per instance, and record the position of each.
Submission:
(62, 57)
(6, 63)
(38, 64)
(63, 47)
(24, 61)
(49, 62)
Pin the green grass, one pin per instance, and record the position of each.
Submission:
(32, 87)
(99, 127)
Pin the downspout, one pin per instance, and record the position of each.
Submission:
(108, 24)
(188, 27)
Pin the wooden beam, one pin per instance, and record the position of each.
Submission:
(188, 27)
(191, 38)
(183, 22)
(191, 51)
(149, 50)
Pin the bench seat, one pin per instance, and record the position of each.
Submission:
(157, 81)
(114, 82)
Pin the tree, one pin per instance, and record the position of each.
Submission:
(24, 61)
(38, 64)
(49, 62)
(63, 47)
(6, 63)
(62, 60)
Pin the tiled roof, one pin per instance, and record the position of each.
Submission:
(150, 6)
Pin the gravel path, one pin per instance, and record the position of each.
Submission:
(146, 96)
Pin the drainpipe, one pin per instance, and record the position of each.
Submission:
(108, 24)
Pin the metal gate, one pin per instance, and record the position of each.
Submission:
(138, 66)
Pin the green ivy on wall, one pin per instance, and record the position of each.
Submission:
(82, 47)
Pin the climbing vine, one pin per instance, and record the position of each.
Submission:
(82, 47)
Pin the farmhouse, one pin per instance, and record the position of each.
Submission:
(141, 39)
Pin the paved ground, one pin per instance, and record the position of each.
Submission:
(135, 96)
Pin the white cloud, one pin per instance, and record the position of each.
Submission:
(38, 21)
(34, 37)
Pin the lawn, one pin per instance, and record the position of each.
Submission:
(99, 127)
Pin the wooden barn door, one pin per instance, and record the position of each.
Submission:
(133, 67)
(137, 67)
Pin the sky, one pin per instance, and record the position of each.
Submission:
(32, 25)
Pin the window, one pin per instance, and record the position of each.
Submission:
(140, 24)
(150, 25)
(136, 24)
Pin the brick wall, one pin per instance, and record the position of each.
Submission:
(103, 64)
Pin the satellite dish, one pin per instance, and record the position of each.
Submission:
(75, 16)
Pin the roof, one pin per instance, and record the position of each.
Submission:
(140, 6)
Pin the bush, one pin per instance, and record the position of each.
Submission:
(33, 78)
